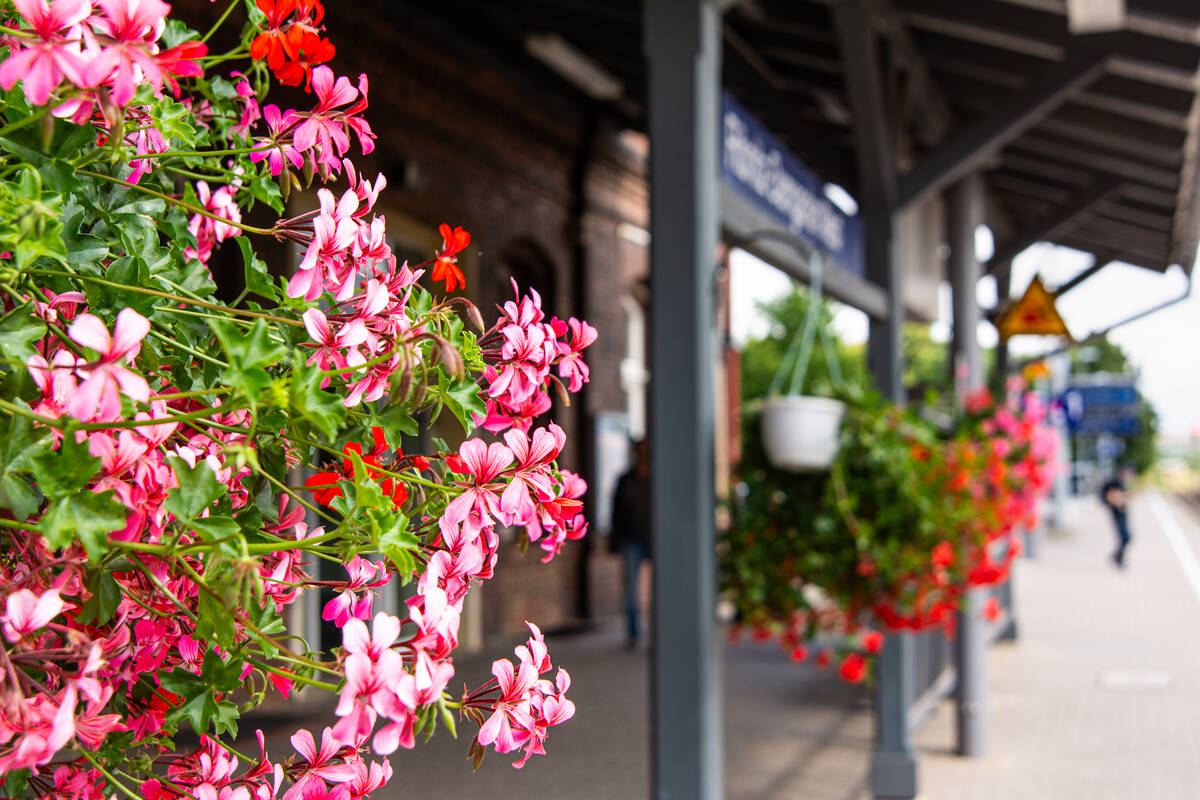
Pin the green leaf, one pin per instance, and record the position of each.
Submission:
(200, 707)
(463, 398)
(395, 540)
(321, 408)
(106, 597)
(249, 349)
(127, 271)
(172, 120)
(258, 278)
(84, 516)
(395, 420)
(198, 488)
(21, 442)
(19, 332)
(65, 470)
(248, 353)
(214, 621)
(213, 528)
(84, 251)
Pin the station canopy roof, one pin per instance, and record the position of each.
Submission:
(1088, 140)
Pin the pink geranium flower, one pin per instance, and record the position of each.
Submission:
(319, 765)
(484, 464)
(98, 396)
(54, 55)
(334, 232)
(25, 612)
(354, 596)
(128, 30)
(334, 350)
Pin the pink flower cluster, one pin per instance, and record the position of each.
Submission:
(210, 232)
(184, 468)
(526, 705)
(104, 47)
(511, 483)
(137, 468)
(394, 679)
(331, 772)
(522, 350)
(319, 137)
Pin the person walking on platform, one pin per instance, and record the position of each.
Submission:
(631, 535)
(1115, 495)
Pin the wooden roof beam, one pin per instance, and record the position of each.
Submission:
(1080, 204)
(929, 113)
(1115, 165)
(1101, 261)
(982, 140)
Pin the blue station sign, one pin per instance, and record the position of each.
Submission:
(1102, 408)
(758, 166)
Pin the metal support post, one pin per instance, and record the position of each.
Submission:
(683, 47)
(971, 645)
(964, 213)
(893, 764)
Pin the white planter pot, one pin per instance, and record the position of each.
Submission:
(801, 433)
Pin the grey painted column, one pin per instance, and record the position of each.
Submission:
(683, 46)
(893, 764)
(964, 212)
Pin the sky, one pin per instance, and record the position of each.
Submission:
(1164, 347)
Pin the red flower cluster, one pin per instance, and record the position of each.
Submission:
(291, 43)
(324, 485)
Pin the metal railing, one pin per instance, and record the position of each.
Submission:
(933, 675)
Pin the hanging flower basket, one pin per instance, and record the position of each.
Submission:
(800, 433)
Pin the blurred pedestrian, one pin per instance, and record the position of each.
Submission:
(1115, 494)
(631, 532)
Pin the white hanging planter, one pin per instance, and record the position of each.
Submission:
(800, 433)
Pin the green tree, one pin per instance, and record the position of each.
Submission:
(761, 358)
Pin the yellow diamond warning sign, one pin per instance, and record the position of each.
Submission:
(1033, 315)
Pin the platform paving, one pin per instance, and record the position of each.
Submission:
(1099, 698)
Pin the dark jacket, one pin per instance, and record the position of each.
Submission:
(1113, 483)
(631, 512)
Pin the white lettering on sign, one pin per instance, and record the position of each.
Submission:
(760, 168)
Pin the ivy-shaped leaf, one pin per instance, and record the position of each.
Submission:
(87, 517)
(65, 470)
(198, 488)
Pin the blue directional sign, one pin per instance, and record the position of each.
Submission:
(760, 167)
(1102, 408)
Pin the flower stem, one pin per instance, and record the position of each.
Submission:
(125, 790)
(329, 687)
(232, 151)
(24, 121)
(176, 201)
(190, 350)
(220, 20)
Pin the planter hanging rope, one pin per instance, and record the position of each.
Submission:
(800, 432)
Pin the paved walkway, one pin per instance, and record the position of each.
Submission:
(1100, 698)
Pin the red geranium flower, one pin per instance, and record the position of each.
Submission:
(454, 241)
(292, 46)
(853, 668)
(991, 609)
